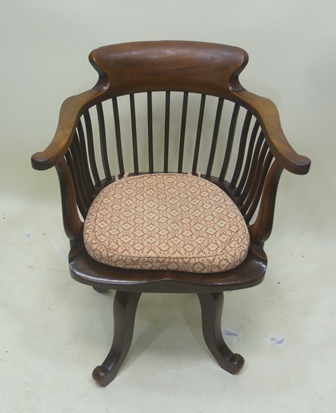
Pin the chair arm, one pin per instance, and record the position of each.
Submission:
(71, 110)
(268, 116)
(54, 155)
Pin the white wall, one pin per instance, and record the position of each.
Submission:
(45, 44)
(291, 43)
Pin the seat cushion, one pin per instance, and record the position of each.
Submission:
(166, 222)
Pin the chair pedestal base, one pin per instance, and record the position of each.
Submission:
(125, 305)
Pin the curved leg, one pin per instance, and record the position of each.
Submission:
(125, 305)
(212, 307)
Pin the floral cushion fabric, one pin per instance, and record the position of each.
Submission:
(166, 222)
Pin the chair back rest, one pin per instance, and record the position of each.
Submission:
(169, 65)
(169, 107)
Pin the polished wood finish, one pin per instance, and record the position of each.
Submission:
(242, 150)
(212, 307)
(125, 305)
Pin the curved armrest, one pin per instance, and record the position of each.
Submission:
(71, 110)
(268, 116)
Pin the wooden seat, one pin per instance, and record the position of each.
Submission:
(168, 107)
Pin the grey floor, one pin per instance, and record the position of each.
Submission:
(54, 331)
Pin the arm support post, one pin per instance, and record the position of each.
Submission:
(73, 226)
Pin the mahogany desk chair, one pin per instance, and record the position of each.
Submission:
(168, 171)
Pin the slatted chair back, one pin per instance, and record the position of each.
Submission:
(170, 109)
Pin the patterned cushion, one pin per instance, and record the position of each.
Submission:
(166, 221)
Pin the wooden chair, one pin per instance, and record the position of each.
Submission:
(161, 110)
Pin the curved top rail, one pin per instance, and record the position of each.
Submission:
(169, 65)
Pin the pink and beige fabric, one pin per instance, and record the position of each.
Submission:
(166, 222)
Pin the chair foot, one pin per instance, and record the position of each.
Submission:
(125, 305)
(102, 375)
(212, 307)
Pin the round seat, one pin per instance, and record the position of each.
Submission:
(166, 222)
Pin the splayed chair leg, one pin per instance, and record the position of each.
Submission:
(125, 305)
(212, 307)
